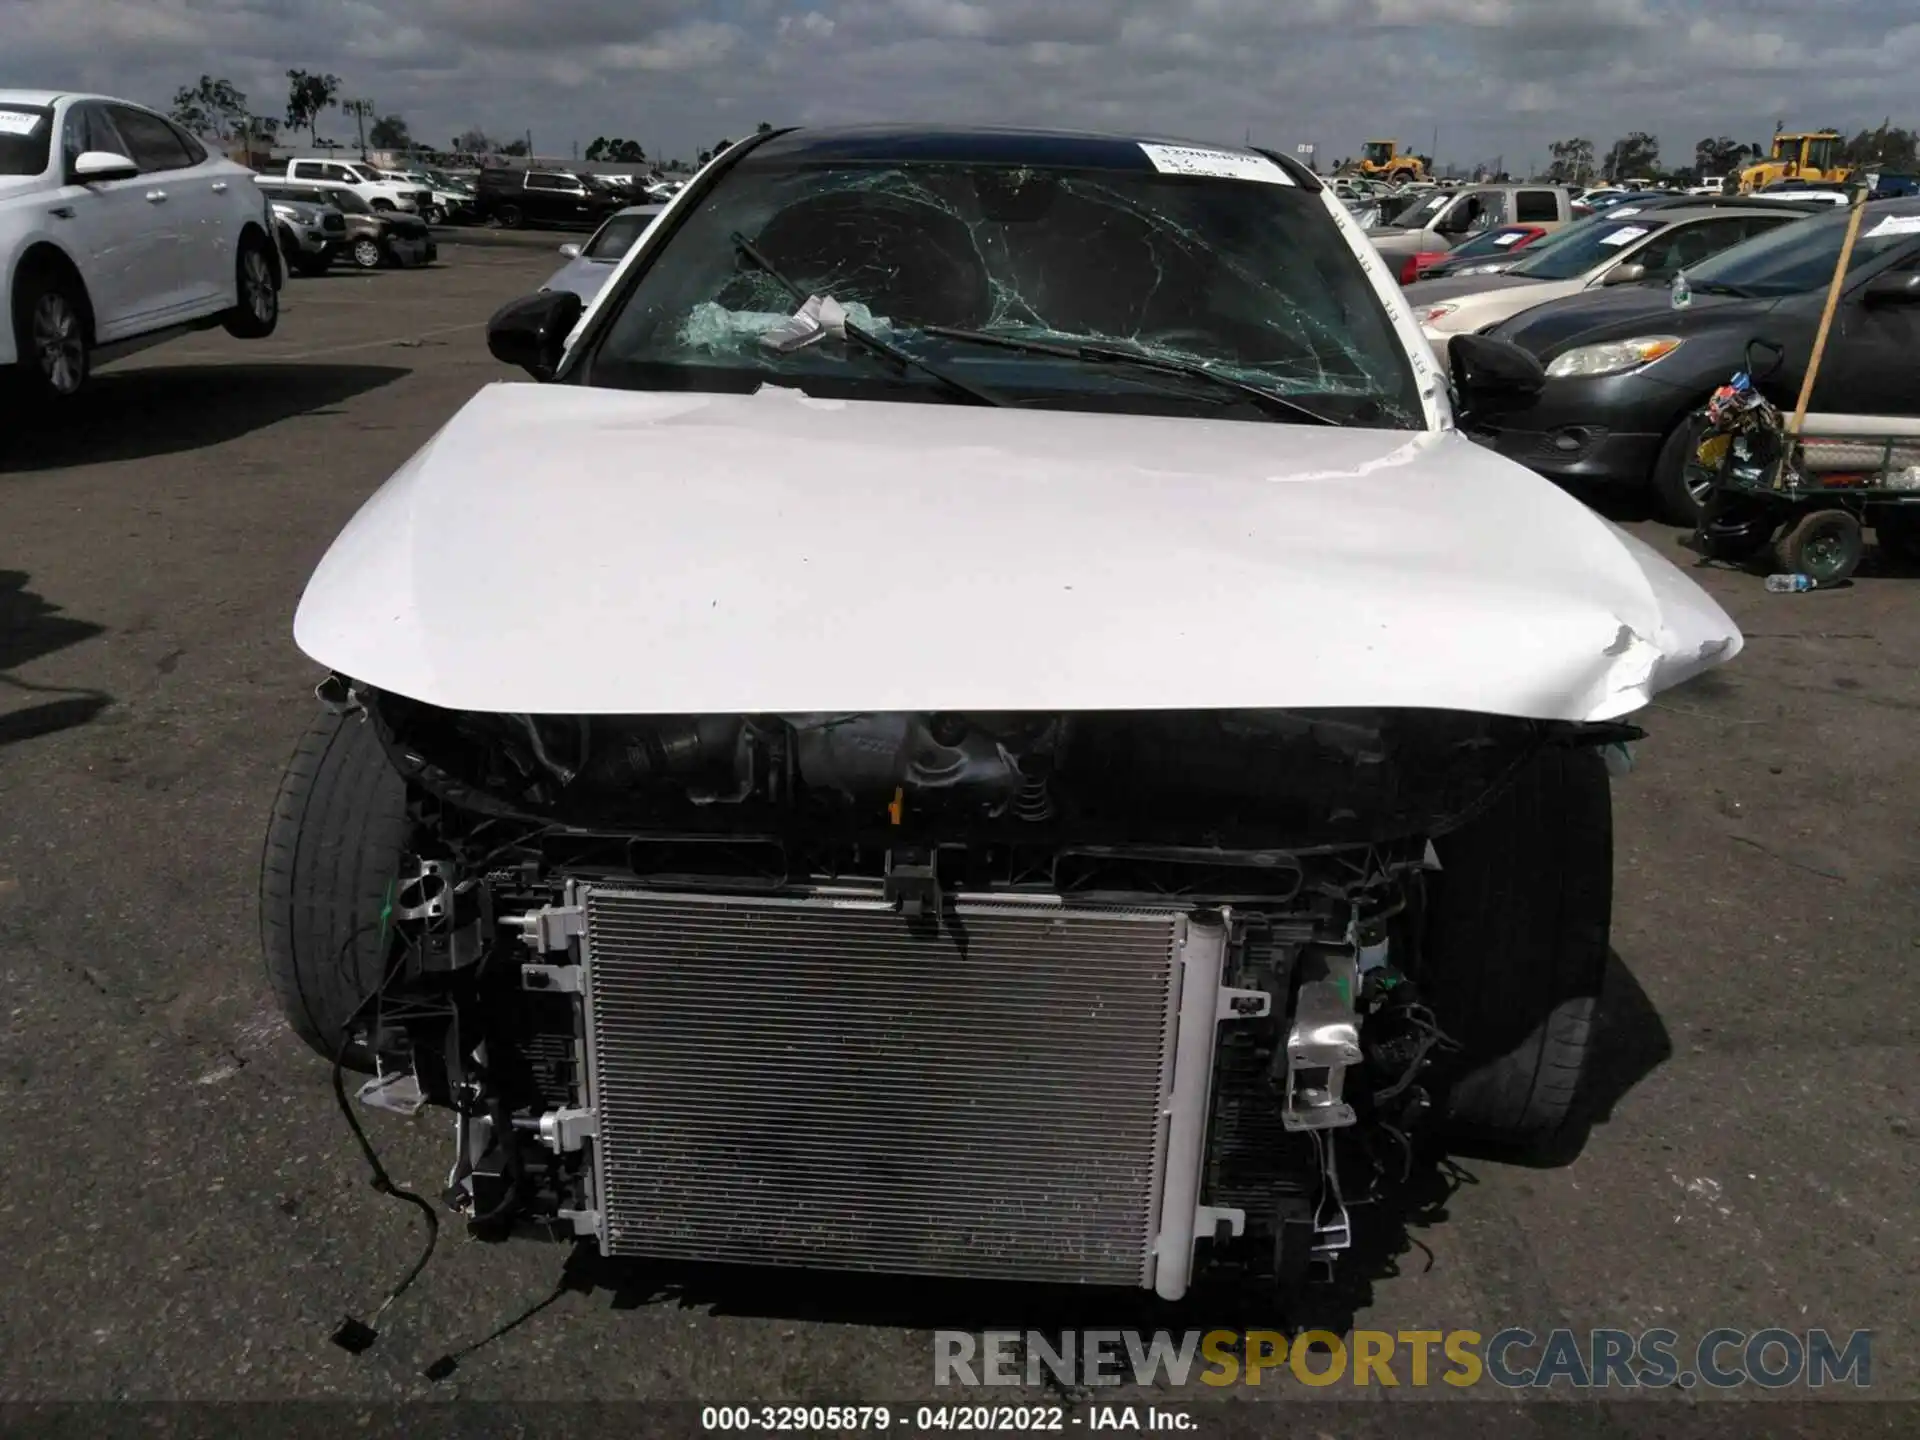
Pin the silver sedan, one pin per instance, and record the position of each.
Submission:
(589, 265)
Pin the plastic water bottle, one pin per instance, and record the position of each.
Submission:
(1791, 584)
(1682, 294)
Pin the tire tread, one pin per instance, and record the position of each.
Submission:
(333, 845)
(1518, 946)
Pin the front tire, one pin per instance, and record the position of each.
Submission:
(333, 849)
(436, 214)
(256, 313)
(511, 217)
(1679, 489)
(52, 333)
(1517, 932)
(368, 253)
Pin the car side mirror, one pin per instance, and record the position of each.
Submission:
(570, 250)
(1900, 287)
(1628, 274)
(96, 166)
(532, 332)
(1486, 369)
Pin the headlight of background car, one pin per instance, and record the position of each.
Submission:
(1613, 357)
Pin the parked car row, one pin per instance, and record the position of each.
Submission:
(1631, 355)
(319, 223)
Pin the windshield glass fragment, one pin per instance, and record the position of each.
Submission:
(1250, 280)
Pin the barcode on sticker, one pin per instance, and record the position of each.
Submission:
(12, 122)
(1214, 164)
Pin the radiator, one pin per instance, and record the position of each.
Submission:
(1016, 1092)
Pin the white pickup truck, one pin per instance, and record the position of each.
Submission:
(365, 181)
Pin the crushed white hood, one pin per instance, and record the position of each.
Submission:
(561, 549)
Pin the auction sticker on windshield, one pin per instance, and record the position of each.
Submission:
(1215, 164)
(1623, 214)
(1896, 225)
(1513, 239)
(12, 122)
(1624, 234)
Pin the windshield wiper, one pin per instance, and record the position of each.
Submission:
(865, 339)
(1276, 405)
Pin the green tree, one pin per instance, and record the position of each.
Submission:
(389, 132)
(1886, 146)
(1719, 156)
(514, 147)
(1634, 155)
(212, 108)
(763, 128)
(597, 150)
(308, 94)
(1572, 161)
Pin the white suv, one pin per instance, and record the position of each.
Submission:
(366, 182)
(118, 230)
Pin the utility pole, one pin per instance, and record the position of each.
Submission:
(360, 110)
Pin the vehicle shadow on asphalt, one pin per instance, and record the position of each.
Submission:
(138, 414)
(30, 627)
(1630, 1042)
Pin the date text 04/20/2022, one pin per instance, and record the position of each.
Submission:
(801, 1419)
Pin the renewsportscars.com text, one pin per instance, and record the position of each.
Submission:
(1513, 1358)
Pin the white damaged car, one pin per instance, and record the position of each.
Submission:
(983, 718)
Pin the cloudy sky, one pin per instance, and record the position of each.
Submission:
(1492, 77)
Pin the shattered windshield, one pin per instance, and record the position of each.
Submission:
(1247, 280)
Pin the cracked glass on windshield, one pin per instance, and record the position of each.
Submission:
(1250, 281)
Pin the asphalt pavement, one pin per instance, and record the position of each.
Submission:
(185, 1216)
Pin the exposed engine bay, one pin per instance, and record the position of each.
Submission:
(1081, 997)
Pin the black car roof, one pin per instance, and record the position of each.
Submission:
(987, 144)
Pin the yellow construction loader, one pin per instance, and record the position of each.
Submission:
(1797, 155)
(1384, 160)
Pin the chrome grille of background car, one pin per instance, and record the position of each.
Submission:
(821, 1082)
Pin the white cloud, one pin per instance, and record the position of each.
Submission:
(1493, 76)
